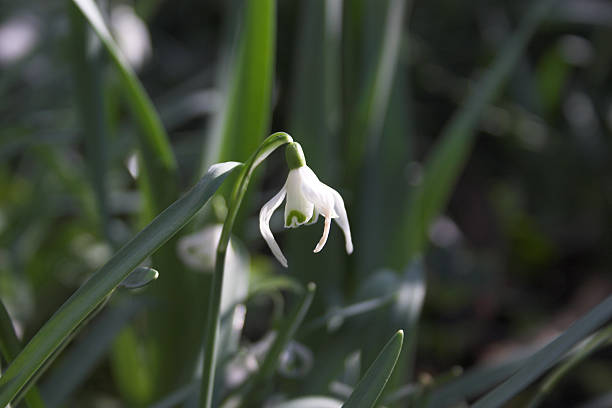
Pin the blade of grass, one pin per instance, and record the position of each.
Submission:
(82, 359)
(380, 193)
(368, 119)
(368, 390)
(314, 115)
(602, 338)
(76, 309)
(544, 359)
(244, 119)
(472, 384)
(58, 350)
(10, 346)
(89, 83)
(160, 173)
(448, 157)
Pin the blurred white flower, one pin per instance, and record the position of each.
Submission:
(131, 34)
(307, 197)
(18, 36)
(199, 251)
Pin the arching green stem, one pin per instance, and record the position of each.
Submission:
(212, 323)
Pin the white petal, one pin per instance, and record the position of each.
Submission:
(314, 218)
(296, 202)
(264, 224)
(317, 192)
(342, 221)
(323, 239)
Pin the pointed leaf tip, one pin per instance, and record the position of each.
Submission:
(370, 387)
(141, 276)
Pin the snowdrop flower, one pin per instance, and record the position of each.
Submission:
(307, 198)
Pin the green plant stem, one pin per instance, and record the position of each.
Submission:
(214, 310)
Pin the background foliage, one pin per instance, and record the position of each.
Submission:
(471, 142)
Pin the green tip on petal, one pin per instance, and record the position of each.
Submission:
(294, 215)
(294, 156)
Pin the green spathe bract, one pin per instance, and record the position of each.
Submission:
(294, 155)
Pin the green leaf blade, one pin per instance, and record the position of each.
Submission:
(91, 294)
(160, 170)
(371, 386)
(544, 359)
(10, 346)
(449, 156)
(244, 120)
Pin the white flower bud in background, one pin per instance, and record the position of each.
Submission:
(131, 34)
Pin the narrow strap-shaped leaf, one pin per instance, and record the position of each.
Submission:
(544, 359)
(472, 383)
(448, 157)
(157, 156)
(88, 68)
(243, 122)
(85, 300)
(372, 384)
(598, 340)
(370, 112)
(9, 343)
(81, 359)
(315, 104)
(10, 347)
(140, 102)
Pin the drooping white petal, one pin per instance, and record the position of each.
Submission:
(298, 210)
(317, 192)
(264, 224)
(342, 221)
(323, 239)
(314, 218)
